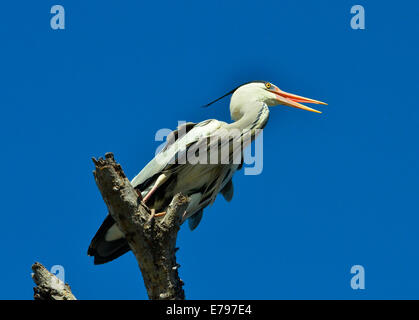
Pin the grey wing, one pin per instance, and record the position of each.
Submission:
(160, 161)
(228, 191)
(194, 220)
(177, 144)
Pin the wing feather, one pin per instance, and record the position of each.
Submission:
(175, 149)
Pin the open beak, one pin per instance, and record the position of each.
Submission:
(292, 100)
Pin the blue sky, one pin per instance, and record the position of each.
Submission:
(337, 189)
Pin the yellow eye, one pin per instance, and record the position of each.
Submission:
(268, 85)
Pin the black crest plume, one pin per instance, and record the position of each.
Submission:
(230, 92)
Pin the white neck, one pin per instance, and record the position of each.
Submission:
(251, 115)
(247, 108)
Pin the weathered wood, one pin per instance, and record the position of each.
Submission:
(48, 286)
(151, 239)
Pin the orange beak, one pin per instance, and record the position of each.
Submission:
(292, 100)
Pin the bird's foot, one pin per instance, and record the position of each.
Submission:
(156, 215)
(160, 214)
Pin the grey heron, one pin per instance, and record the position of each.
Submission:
(163, 177)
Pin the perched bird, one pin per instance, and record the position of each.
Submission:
(170, 172)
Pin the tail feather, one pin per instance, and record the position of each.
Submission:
(104, 251)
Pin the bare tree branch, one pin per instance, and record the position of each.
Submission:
(151, 239)
(48, 286)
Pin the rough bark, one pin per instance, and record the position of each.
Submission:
(48, 286)
(151, 239)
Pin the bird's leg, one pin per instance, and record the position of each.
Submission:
(160, 180)
(139, 194)
(152, 215)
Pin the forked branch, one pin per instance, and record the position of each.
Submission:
(151, 239)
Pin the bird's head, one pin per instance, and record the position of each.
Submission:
(263, 91)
